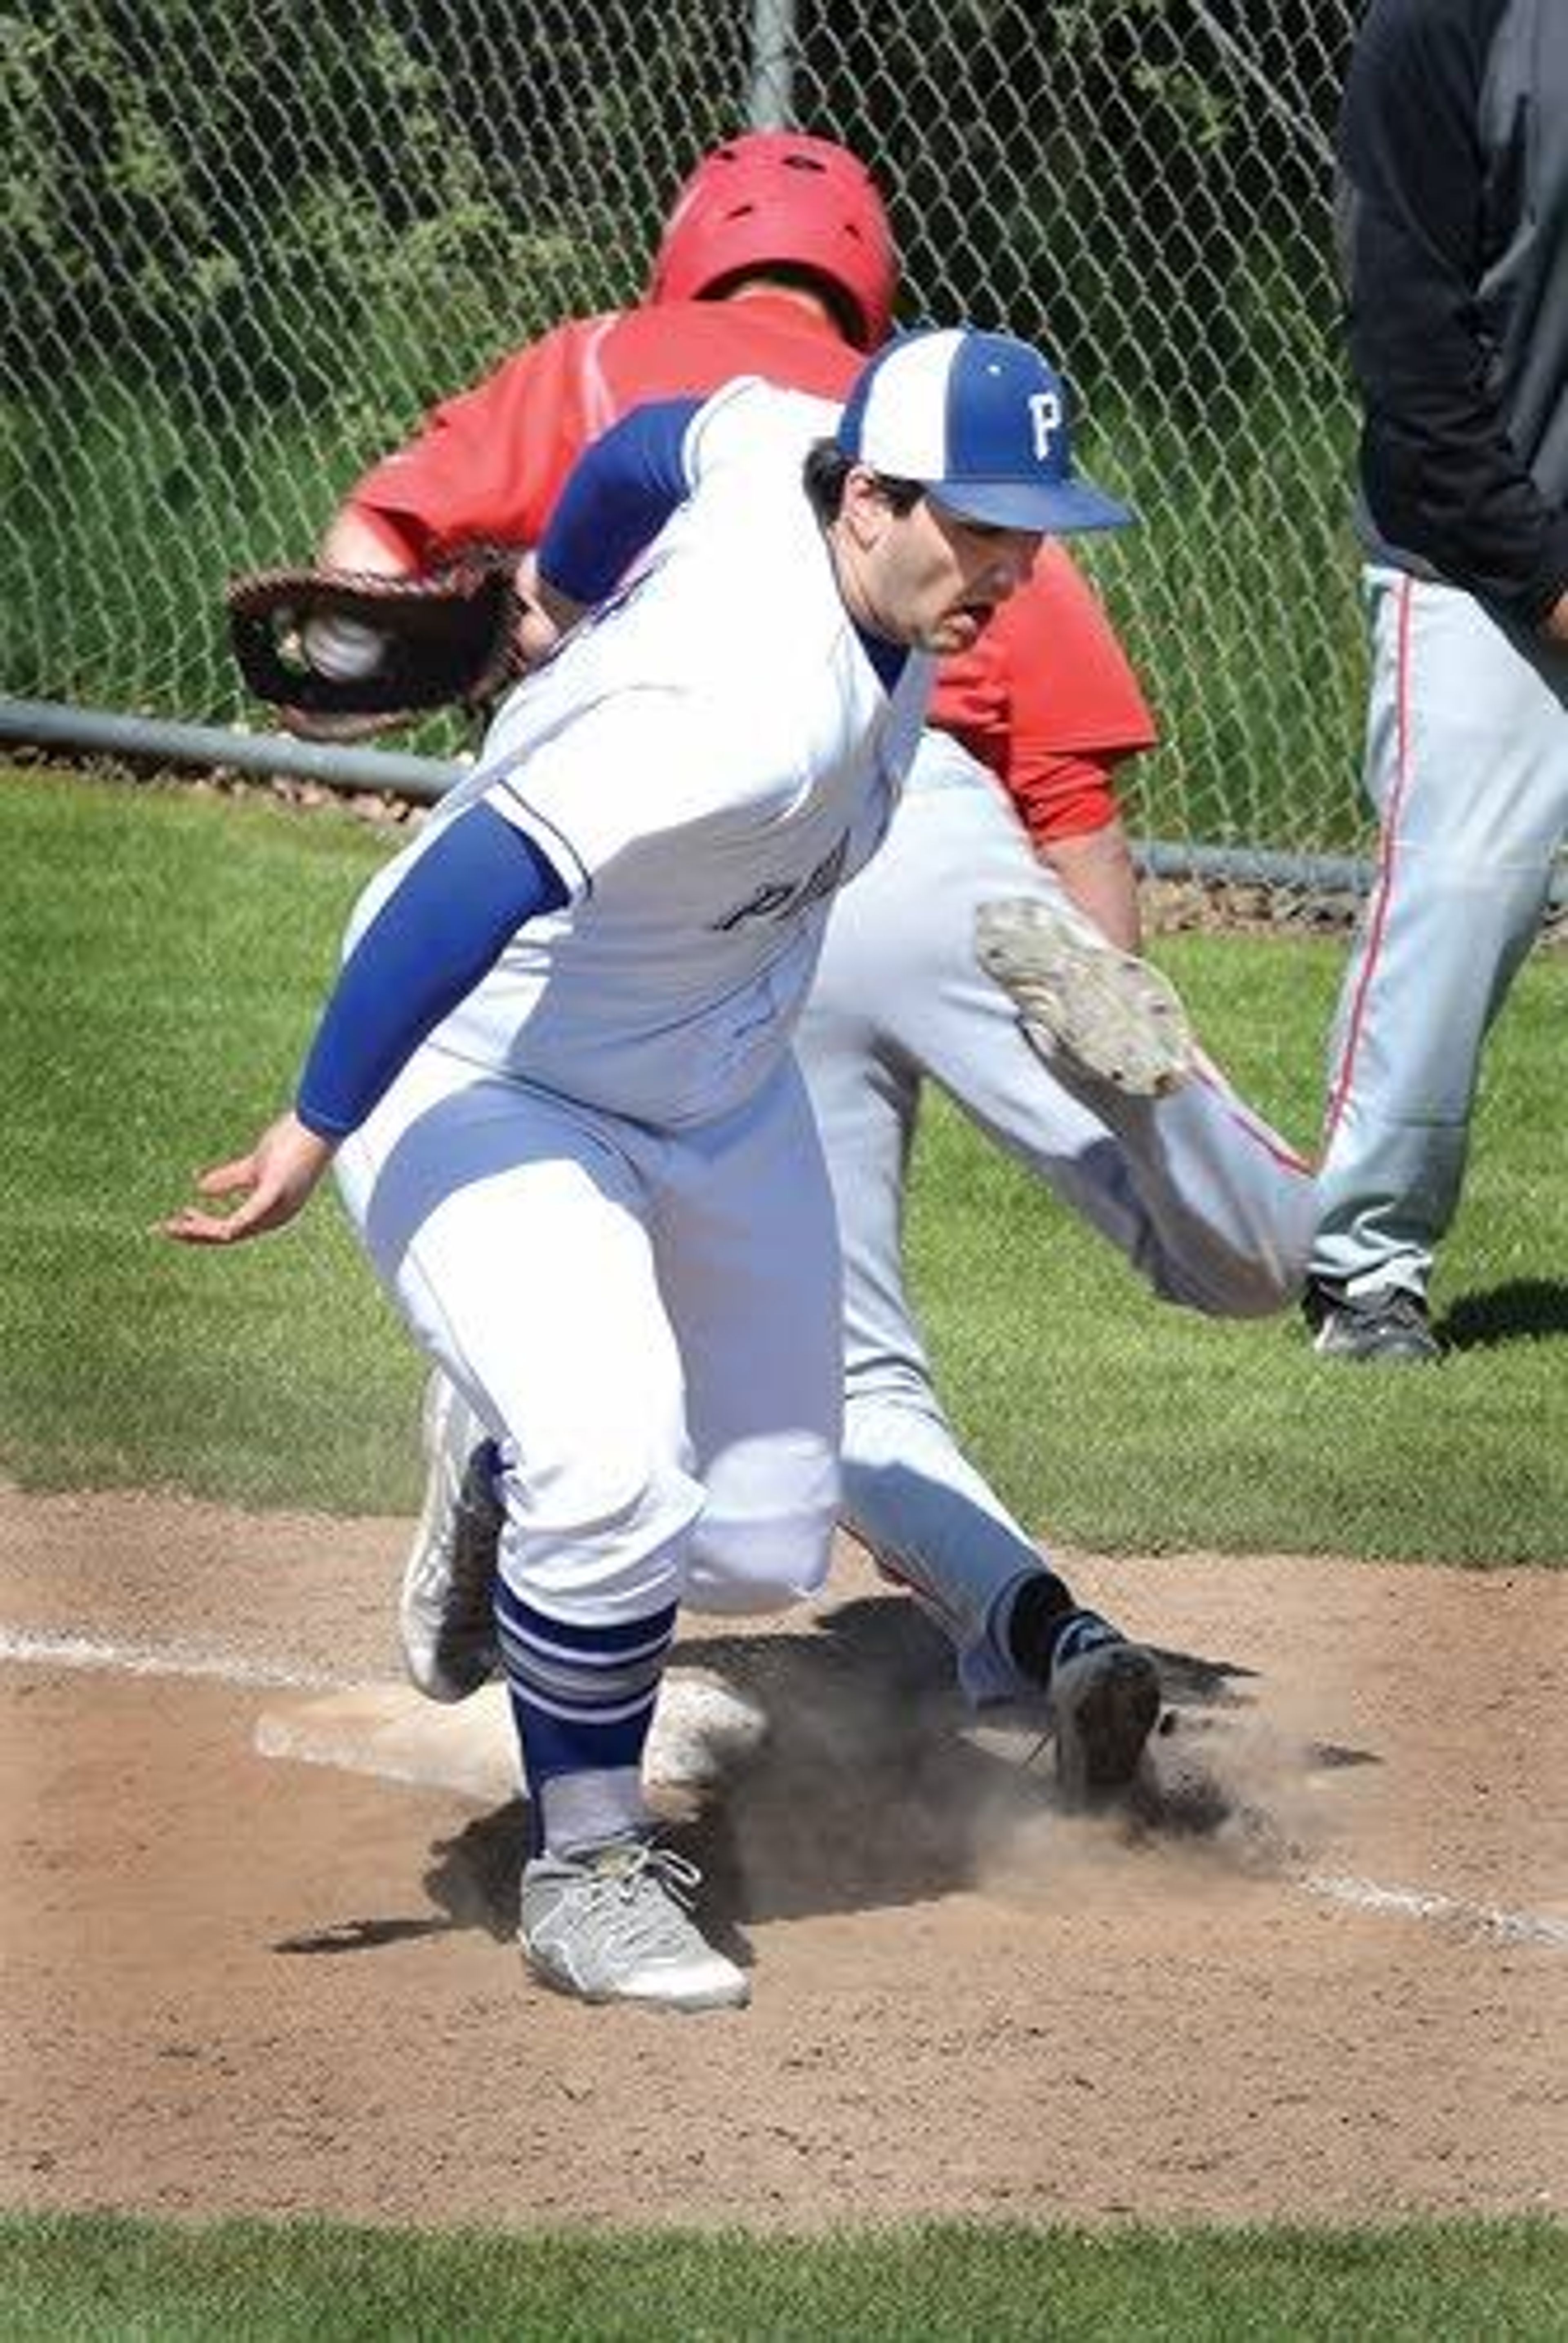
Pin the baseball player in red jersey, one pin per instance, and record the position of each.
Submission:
(778, 260)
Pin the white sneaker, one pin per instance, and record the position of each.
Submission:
(610, 1925)
(446, 1610)
(1080, 997)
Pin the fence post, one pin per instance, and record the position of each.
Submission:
(772, 65)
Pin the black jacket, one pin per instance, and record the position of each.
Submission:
(1453, 242)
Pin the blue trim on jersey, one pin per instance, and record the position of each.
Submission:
(442, 929)
(618, 496)
(889, 658)
(552, 841)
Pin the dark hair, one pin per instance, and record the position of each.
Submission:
(826, 469)
(844, 312)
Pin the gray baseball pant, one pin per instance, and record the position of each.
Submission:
(1211, 1207)
(1467, 766)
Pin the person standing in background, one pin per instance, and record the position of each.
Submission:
(1454, 221)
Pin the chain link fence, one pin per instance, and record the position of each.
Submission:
(242, 248)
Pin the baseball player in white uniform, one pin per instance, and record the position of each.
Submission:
(778, 258)
(556, 1076)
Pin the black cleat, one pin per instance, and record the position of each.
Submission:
(1390, 1323)
(1104, 1694)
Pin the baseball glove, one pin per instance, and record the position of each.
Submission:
(337, 646)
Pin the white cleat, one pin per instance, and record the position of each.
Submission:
(611, 1924)
(1079, 997)
(447, 1613)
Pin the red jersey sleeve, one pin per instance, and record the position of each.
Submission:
(1068, 796)
(1048, 700)
(489, 464)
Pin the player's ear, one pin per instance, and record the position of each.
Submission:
(866, 508)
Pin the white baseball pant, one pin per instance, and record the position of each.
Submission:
(647, 1321)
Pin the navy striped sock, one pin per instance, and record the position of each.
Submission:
(583, 1697)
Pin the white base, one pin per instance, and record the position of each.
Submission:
(703, 1726)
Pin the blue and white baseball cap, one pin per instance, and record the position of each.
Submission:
(981, 421)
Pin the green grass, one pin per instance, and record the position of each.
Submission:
(1119, 1424)
(98, 2277)
(1259, 694)
(106, 464)
(163, 955)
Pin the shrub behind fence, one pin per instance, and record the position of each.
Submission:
(243, 248)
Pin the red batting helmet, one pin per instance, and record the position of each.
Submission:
(776, 197)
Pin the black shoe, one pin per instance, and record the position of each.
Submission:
(1104, 1692)
(1390, 1323)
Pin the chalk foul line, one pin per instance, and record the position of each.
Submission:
(1452, 1911)
(31, 1649)
(27, 1647)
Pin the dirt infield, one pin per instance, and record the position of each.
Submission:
(1328, 1978)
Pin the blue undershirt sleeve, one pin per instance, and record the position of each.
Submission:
(429, 943)
(616, 498)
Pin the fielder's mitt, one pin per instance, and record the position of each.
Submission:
(340, 644)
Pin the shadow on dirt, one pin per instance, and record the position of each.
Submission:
(877, 1786)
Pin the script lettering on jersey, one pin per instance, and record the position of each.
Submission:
(777, 899)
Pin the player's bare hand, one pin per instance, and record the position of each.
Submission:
(552, 613)
(539, 625)
(1554, 625)
(273, 1183)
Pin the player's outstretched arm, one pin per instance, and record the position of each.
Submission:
(1096, 869)
(468, 888)
(274, 1182)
